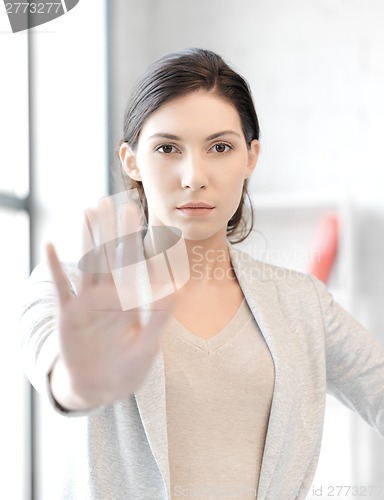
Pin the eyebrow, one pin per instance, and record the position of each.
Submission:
(172, 137)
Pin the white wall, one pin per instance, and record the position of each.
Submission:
(317, 72)
(70, 123)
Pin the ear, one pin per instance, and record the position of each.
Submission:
(253, 154)
(128, 162)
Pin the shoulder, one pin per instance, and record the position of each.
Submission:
(264, 271)
(289, 284)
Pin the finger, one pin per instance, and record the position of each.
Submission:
(130, 226)
(107, 231)
(126, 273)
(131, 248)
(89, 244)
(59, 277)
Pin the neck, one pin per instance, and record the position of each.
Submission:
(209, 259)
(209, 262)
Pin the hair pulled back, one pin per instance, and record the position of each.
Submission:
(178, 74)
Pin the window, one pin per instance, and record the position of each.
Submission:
(14, 262)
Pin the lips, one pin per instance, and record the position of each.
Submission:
(195, 209)
(199, 204)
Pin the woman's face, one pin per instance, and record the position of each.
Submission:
(192, 150)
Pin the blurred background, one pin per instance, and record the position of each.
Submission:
(316, 69)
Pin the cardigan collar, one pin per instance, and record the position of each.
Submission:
(258, 286)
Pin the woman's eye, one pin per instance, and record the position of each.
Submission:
(221, 147)
(166, 148)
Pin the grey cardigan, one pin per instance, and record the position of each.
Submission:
(316, 346)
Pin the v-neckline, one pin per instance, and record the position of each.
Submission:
(230, 330)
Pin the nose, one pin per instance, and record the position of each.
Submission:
(194, 174)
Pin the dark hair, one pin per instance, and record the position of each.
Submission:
(181, 73)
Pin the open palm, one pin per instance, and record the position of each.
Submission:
(105, 351)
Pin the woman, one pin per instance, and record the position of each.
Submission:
(220, 392)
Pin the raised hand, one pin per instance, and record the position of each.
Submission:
(105, 351)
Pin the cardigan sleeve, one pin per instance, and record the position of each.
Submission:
(354, 361)
(38, 326)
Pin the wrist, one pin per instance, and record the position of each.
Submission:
(62, 392)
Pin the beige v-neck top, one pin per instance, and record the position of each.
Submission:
(218, 398)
